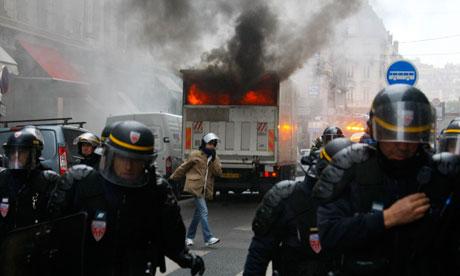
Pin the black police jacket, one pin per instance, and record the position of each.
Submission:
(24, 198)
(92, 161)
(130, 230)
(353, 223)
(285, 232)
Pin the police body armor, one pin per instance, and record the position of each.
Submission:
(372, 186)
(47, 249)
(92, 160)
(123, 228)
(307, 258)
(24, 198)
(123, 234)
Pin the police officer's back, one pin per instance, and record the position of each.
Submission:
(133, 216)
(24, 186)
(285, 230)
(388, 203)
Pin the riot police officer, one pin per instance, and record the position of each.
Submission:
(133, 217)
(449, 140)
(87, 144)
(106, 131)
(389, 209)
(329, 134)
(285, 230)
(25, 186)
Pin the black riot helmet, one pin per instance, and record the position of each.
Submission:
(327, 152)
(331, 133)
(23, 149)
(86, 138)
(132, 142)
(449, 140)
(106, 131)
(402, 113)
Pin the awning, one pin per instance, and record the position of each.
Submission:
(51, 60)
(8, 61)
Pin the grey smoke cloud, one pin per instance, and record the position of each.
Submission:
(173, 30)
(260, 41)
(297, 46)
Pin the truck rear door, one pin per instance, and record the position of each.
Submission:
(247, 133)
(245, 117)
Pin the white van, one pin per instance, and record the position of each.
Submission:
(167, 131)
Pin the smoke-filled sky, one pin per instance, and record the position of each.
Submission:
(245, 38)
(426, 29)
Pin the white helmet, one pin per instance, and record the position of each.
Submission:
(210, 137)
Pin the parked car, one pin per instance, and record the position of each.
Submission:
(58, 134)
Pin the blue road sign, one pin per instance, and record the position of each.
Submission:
(402, 72)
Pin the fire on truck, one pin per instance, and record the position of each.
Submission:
(255, 123)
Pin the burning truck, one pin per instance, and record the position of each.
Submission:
(255, 122)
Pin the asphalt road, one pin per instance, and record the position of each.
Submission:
(230, 220)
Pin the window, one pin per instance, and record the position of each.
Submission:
(10, 8)
(3, 7)
(23, 10)
(69, 137)
(367, 71)
(42, 14)
(350, 71)
(75, 11)
(89, 17)
(350, 95)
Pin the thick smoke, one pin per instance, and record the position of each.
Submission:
(261, 43)
(245, 55)
(176, 30)
(293, 49)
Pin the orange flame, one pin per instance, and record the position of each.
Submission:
(259, 97)
(196, 96)
(264, 93)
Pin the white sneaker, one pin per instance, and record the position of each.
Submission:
(212, 241)
(189, 242)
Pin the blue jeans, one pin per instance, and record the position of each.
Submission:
(200, 215)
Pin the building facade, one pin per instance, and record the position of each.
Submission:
(341, 80)
(76, 59)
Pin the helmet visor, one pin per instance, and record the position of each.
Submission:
(329, 137)
(122, 169)
(450, 143)
(407, 122)
(19, 158)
